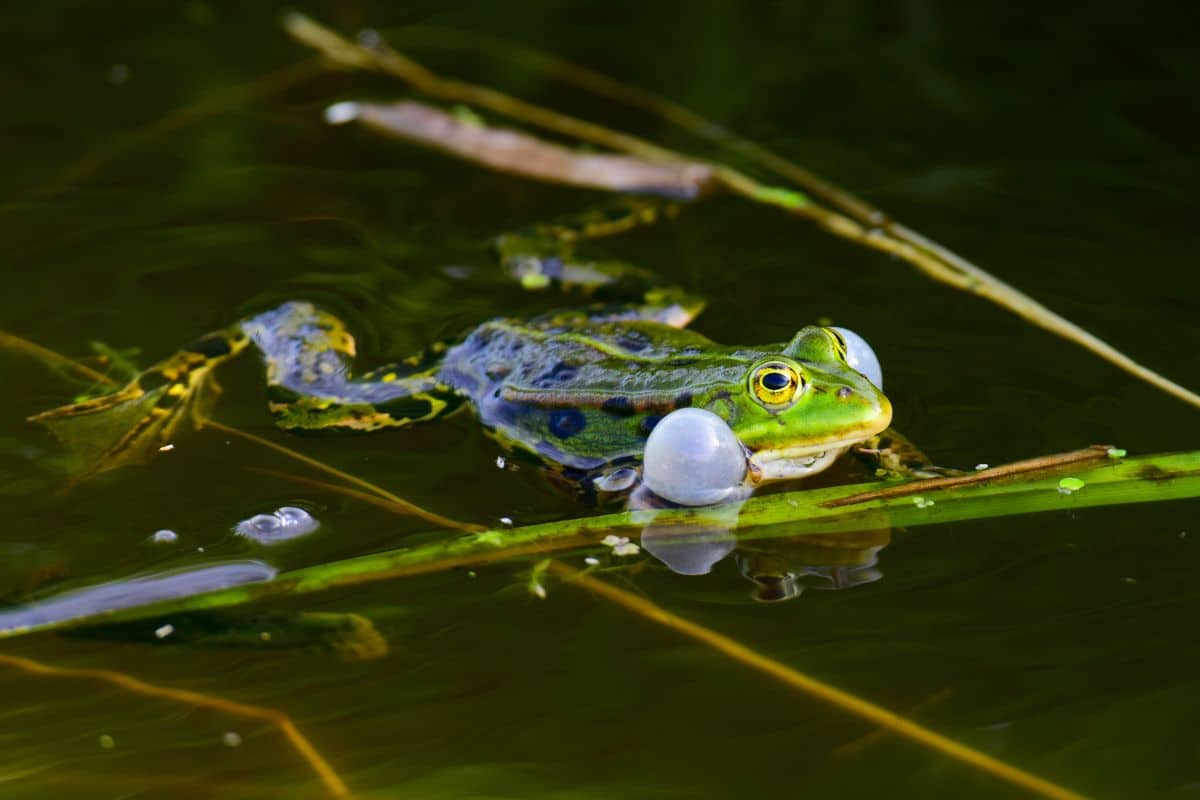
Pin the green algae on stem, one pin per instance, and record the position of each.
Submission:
(1136, 480)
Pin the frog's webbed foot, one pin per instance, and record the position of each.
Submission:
(891, 454)
(131, 424)
(308, 354)
(544, 257)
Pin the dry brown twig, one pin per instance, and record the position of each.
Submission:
(861, 223)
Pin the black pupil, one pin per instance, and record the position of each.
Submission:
(776, 381)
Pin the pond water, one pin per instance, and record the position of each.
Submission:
(1054, 146)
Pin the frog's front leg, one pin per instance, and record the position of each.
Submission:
(308, 354)
(892, 454)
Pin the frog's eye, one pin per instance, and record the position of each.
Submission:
(776, 383)
(858, 355)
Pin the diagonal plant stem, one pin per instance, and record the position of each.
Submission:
(16, 344)
(265, 86)
(395, 500)
(819, 690)
(860, 223)
(334, 785)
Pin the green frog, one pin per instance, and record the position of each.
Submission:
(577, 390)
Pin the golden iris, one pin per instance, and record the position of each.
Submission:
(775, 384)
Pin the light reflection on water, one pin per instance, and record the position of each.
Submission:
(135, 591)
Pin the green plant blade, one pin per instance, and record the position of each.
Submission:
(1114, 482)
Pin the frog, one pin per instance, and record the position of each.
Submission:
(577, 391)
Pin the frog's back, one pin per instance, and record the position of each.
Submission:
(580, 392)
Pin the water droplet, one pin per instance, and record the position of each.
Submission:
(231, 739)
(164, 631)
(164, 536)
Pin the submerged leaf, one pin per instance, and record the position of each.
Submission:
(352, 637)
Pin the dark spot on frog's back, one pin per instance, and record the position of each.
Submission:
(648, 423)
(683, 400)
(566, 422)
(558, 374)
(633, 341)
(620, 406)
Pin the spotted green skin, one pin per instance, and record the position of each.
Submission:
(579, 391)
(584, 394)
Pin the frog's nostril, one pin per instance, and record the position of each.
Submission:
(844, 392)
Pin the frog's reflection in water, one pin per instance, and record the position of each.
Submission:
(780, 568)
(783, 568)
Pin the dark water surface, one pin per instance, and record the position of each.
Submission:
(1056, 146)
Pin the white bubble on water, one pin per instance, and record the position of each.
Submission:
(287, 522)
(341, 113)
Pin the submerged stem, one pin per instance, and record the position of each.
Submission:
(826, 693)
(334, 785)
(397, 503)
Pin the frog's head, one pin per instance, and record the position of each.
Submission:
(798, 410)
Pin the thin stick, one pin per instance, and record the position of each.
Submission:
(18, 345)
(857, 746)
(373, 499)
(396, 500)
(1097, 452)
(892, 722)
(333, 784)
(871, 229)
(181, 118)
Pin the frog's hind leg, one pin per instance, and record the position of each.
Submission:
(308, 354)
(132, 423)
(544, 257)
